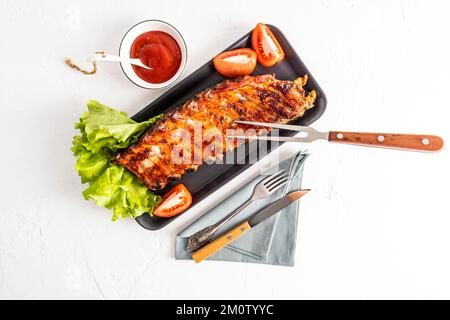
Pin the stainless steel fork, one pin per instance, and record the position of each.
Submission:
(262, 190)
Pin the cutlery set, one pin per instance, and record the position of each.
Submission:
(246, 226)
(203, 244)
(262, 190)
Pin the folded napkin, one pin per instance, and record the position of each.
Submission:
(272, 241)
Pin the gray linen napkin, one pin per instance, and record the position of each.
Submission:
(272, 241)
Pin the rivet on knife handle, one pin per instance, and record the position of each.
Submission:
(389, 140)
(221, 242)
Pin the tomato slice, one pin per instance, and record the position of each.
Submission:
(174, 202)
(267, 47)
(236, 63)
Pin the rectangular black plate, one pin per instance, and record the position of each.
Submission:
(211, 177)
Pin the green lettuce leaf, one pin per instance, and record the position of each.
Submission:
(103, 131)
(119, 190)
(91, 165)
(104, 127)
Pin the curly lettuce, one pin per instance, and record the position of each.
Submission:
(103, 131)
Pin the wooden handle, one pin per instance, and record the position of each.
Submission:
(389, 140)
(220, 243)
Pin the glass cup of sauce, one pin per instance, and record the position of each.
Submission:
(159, 46)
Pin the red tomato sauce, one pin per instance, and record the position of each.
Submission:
(159, 51)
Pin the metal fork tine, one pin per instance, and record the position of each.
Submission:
(278, 187)
(268, 179)
(275, 181)
(278, 126)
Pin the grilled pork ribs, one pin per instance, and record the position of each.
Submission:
(196, 132)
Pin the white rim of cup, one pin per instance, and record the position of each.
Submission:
(128, 69)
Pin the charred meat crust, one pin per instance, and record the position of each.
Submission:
(259, 98)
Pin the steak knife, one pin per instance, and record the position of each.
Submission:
(411, 142)
(245, 227)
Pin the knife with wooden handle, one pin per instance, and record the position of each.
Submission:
(245, 227)
(411, 142)
(221, 242)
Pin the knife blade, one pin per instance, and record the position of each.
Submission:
(243, 228)
(276, 207)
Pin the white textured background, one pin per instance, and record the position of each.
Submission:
(376, 226)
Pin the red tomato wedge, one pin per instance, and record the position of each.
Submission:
(267, 47)
(236, 63)
(174, 202)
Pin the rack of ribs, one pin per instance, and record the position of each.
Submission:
(212, 112)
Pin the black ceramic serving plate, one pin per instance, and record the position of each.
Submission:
(209, 178)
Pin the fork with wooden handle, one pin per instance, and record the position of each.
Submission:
(262, 190)
(411, 142)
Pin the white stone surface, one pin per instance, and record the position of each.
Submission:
(376, 225)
